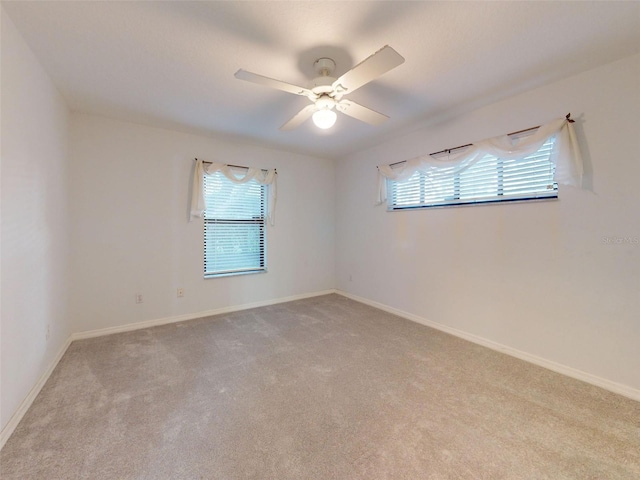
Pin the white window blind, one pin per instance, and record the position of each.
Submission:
(490, 179)
(234, 226)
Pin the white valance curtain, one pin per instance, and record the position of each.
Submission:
(565, 156)
(236, 175)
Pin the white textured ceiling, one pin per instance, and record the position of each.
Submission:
(171, 64)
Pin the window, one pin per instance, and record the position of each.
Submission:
(234, 226)
(490, 179)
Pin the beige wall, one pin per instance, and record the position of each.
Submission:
(35, 222)
(130, 190)
(539, 278)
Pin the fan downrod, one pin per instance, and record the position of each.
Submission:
(324, 67)
(322, 84)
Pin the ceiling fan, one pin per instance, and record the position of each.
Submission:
(327, 92)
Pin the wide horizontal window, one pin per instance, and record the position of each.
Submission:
(525, 165)
(489, 179)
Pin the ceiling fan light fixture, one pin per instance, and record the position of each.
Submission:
(324, 118)
(327, 92)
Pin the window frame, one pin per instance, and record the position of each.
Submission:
(456, 201)
(260, 221)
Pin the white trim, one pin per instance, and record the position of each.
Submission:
(556, 367)
(8, 429)
(614, 387)
(192, 316)
(26, 403)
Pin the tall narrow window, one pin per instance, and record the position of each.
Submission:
(490, 179)
(234, 226)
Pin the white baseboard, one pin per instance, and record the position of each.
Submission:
(8, 429)
(192, 316)
(26, 403)
(556, 367)
(614, 387)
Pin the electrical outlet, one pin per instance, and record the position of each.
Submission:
(139, 298)
(48, 334)
(350, 278)
(181, 292)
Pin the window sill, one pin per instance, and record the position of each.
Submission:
(474, 203)
(232, 274)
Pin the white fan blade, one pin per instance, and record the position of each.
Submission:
(277, 84)
(369, 69)
(361, 113)
(299, 117)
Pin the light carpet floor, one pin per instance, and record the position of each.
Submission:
(322, 388)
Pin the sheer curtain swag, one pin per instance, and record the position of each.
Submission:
(565, 156)
(237, 175)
